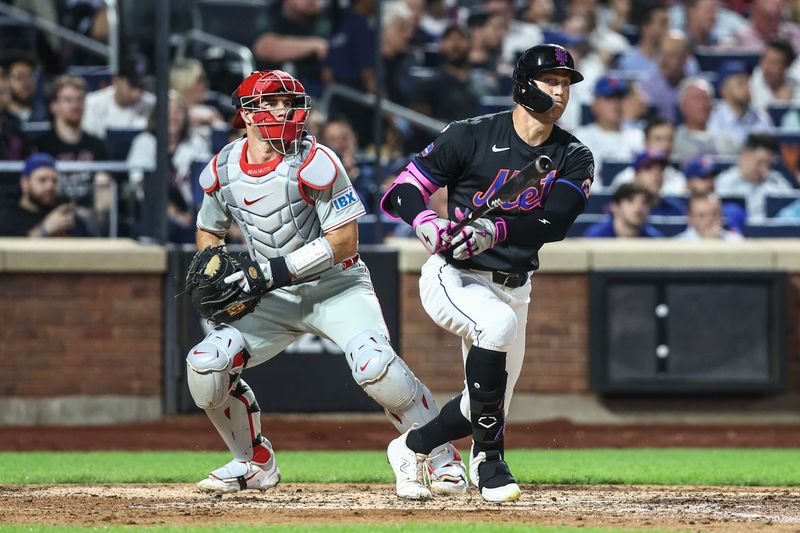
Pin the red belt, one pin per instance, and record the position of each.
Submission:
(347, 263)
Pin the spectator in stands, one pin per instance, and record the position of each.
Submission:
(539, 12)
(66, 141)
(606, 137)
(41, 212)
(661, 86)
(615, 16)
(649, 173)
(122, 105)
(752, 178)
(185, 146)
(350, 62)
(734, 116)
(704, 218)
(658, 137)
(766, 21)
(297, 34)
(650, 17)
(27, 102)
(630, 206)
(693, 136)
(449, 94)
(14, 144)
(398, 29)
(188, 78)
(770, 83)
(519, 33)
(338, 134)
(487, 29)
(701, 174)
(701, 16)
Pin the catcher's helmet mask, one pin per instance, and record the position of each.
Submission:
(283, 133)
(533, 62)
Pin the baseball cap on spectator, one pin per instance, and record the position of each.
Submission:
(701, 166)
(37, 161)
(648, 158)
(608, 86)
(730, 68)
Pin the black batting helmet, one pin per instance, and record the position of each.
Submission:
(533, 61)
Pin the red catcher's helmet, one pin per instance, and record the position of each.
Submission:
(281, 133)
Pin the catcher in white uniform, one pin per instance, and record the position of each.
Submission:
(297, 209)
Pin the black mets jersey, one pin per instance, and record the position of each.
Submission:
(474, 157)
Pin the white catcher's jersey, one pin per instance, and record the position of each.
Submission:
(279, 210)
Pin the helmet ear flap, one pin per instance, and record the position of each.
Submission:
(529, 96)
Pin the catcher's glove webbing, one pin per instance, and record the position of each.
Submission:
(215, 299)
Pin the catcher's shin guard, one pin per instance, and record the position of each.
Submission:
(213, 368)
(388, 380)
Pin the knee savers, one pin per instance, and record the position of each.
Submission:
(380, 372)
(210, 364)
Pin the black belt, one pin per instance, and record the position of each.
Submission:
(509, 279)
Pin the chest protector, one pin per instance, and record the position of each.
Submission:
(273, 211)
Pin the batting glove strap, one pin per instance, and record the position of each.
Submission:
(476, 238)
(431, 231)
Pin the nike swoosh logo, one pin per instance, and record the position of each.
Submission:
(496, 149)
(251, 202)
(199, 353)
(361, 368)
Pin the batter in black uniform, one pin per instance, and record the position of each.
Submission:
(476, 284)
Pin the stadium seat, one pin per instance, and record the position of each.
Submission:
(36, 129)
(583, 222)
(598, 203)
(777, 112)
(610, 168)
(710, 59)
(118, 143)
(219, 138)
(777, 202)
(772, 229)
(587, 117)
(669, 229)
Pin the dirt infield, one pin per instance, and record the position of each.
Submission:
(299, 432)
(678, 508)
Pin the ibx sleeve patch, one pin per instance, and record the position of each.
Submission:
(344, 199)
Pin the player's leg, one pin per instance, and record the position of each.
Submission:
(472, 307)
(351, 316)
(214, 369)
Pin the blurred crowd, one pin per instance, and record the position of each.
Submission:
(691, 108)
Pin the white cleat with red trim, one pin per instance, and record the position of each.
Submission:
(446, 472)
(236, 476)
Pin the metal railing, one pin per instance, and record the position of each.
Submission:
(78, 39)
(368, 100)
(181, 40)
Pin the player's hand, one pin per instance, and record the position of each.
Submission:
(59, 220)
(432, 231)
(476, 237)
(253, 277)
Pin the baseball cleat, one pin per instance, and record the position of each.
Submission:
(450, 478)
(491, 475)
(238, 475)
(409, 468)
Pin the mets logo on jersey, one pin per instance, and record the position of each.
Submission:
(344, 199)
(530, 198)
(427, 150)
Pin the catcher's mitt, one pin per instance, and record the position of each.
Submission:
(215, 299)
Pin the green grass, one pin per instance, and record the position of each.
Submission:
(771, 467)
(438, 527)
